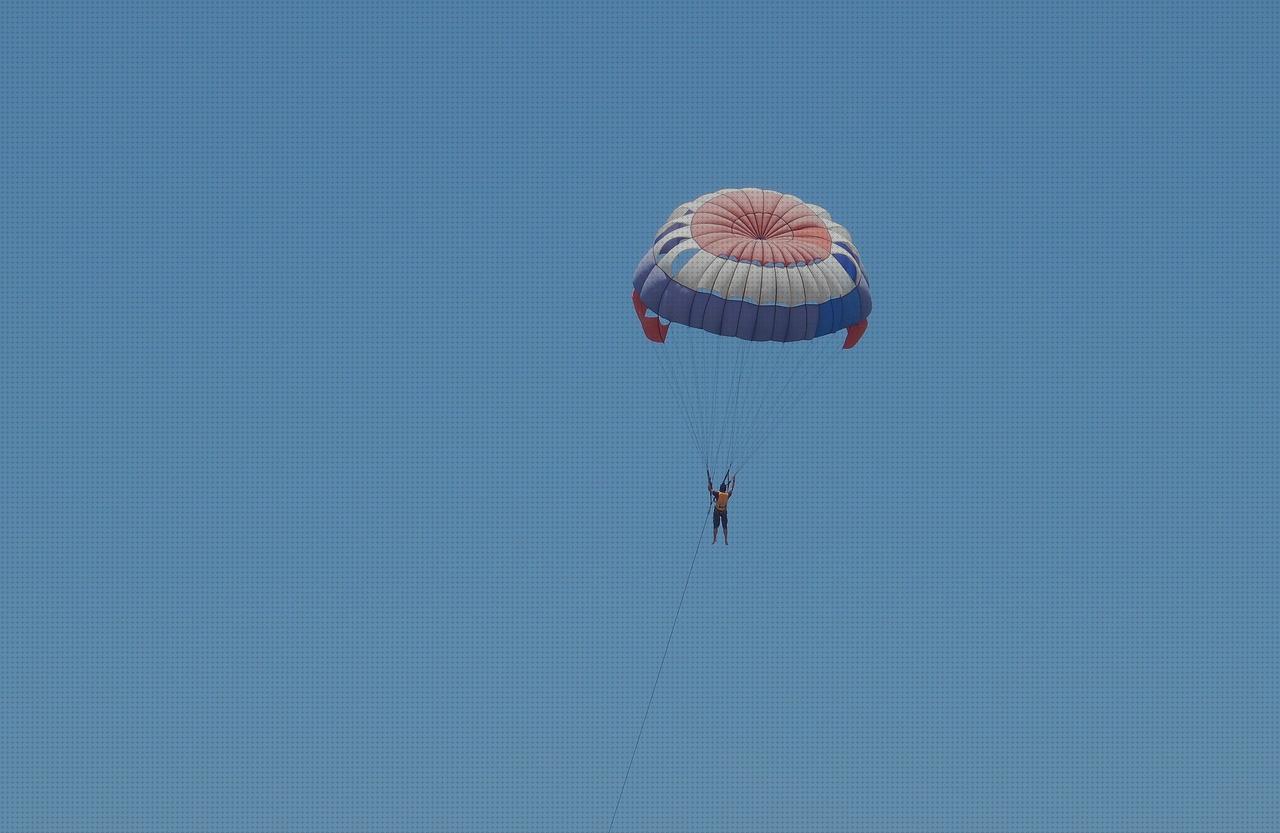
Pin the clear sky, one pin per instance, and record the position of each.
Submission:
(340, 491)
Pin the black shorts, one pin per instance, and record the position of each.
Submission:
(722, 517)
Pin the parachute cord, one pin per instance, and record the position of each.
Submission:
(678, 387)
(735, 417)
(817, 370)
(765, 431)
(661, 664)
(697, 360)
(729, 423)
(760, 431)
(685, 410)
(717, 402)
(722, 408)
(777, 370)
(701, 369)
(747, 396)
(739, 397)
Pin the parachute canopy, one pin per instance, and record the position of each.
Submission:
(747, 277)
(755, 265)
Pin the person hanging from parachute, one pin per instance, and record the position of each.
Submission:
(720, 504)
(731, 286)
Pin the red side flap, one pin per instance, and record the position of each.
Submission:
(854, 333)
(654, 329)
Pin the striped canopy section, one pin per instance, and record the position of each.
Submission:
(755, 265)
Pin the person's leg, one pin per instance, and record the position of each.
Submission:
(715, 528)
(725, 519)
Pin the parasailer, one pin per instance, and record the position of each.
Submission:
(720, 505)
(748, 276)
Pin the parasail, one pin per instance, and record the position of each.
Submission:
(739, 289)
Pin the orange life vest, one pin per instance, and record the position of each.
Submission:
(722, 501)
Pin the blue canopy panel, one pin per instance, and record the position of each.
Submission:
(661, 294)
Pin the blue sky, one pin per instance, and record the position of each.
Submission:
(342, 492)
